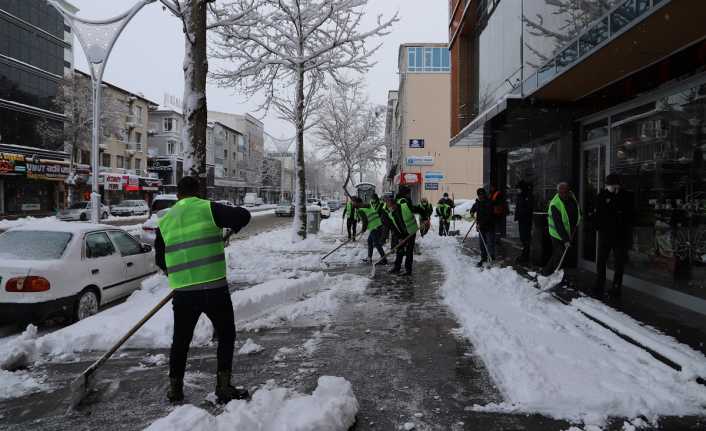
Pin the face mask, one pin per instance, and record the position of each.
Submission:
(613, 189)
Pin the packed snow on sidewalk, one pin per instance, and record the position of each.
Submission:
(550, 359)
(285, 286)
(332, 407)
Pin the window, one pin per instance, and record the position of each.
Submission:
(137, 112)
(168, 124)
(98, 245)
(428, 59)
(225, 154)
(170, 147)
(127, 164)
(125, 243)
(119, 162)
(33, 245)
(138, 164)
(138, 137)
(181, 147)
(105, 160)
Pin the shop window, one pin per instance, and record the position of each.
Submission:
(660, 155)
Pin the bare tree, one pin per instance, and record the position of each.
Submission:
(285, 50)
(74, 96)
(350, 132)
(194, 15)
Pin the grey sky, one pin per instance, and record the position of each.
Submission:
(148, 57)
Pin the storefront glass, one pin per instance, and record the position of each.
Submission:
(660, 154)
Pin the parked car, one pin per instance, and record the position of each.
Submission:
(252, 199)
(161, 202)
(325, 211)
(130, 208)
(285, 209)
(333, 205)
(52, 269)
(81, 211)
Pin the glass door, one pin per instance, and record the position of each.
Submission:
(593, 172)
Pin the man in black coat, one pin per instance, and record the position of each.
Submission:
(485, 224)
(614, 221)
(524, 212)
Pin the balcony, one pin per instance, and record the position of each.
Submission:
(133, 121)
(134, 147)
(633, 34)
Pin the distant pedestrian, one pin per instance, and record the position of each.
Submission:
(482, 209)
(564, 216)
(524, 214)
(189, 248)
(352, 218)
(614, 221)
(425, 218)
(444, 210)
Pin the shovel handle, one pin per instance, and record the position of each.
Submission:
(469, 232)
(129, 334)
(394, 249)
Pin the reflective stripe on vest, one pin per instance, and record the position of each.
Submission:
(373, 217)
(444, 210)
(557, 203)
(410, 221)
(194, 250)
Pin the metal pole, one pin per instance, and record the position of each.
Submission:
(95, 149)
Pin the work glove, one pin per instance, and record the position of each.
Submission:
(567, 244)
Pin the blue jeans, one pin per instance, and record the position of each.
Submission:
(488, 239)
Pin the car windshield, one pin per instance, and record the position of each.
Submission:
(161, 204)
(78, 206)
(33, 245)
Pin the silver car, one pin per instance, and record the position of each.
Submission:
(130, 208)
(81, 211)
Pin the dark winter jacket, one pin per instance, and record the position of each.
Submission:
(485, 219)
(399, 220)
(615, 214)
(234, 218)
(524, 207)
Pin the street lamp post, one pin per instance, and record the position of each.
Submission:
(97, 38)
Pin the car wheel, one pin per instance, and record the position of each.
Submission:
(86, 304)
(83, 217)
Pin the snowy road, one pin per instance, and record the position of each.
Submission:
(454, 348)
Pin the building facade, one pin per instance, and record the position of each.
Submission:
(578, 90)
(123, 145)
(287, 174)
(35, 53)
(418, 119)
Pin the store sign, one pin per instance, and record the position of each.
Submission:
(408, 178)
(431, 186)
(113, 182)
(54, 171)
(420, 160)
(31, 207)
(131, 183)
(149, 184)
(160, 165)
(12, 164)
(433, 176)
(416, 143)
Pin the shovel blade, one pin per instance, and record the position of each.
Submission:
(80, 387)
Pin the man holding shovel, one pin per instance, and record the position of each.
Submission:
(404, 226)
(485, 225)
(375, 220)
(563, 218)
(189, 248)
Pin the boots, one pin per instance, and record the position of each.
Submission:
(175, 394)
(225, 392)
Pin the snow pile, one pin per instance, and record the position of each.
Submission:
(21, 352)
(8, 224)
(250, 348)
(548, 358)
(17, 384)
(331, 407)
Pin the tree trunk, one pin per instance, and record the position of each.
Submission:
(300, 195)
(195, 109)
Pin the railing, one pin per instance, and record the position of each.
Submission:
(615, 22)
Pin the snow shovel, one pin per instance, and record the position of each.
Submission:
(340, 245)
(454, 232)
(82, 385)
(372, 271)
(561, 261)
(469, 232)
(485, 246)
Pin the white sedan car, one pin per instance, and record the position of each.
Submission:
(56, 268)
(81, 211)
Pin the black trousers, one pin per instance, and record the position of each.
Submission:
(525, 227)
(352, 226)
(557, 252)
(444, 226)
(188, 306)
(619, 247)
(406, 252)
(375, 241)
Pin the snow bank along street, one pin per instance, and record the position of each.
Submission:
(323, 346)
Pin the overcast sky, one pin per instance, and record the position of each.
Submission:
(148, 56)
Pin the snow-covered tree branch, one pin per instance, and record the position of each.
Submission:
(285, 51)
